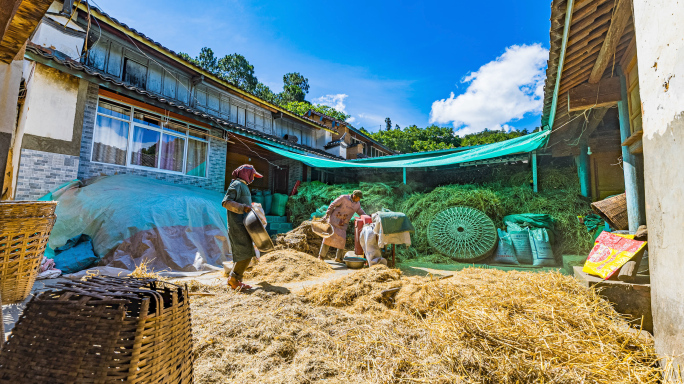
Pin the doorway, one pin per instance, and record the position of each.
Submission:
(281, 179)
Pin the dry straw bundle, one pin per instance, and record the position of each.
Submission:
(301, 239)
(480, 326)
(285, 266)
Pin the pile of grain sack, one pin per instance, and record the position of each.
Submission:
(528, 240)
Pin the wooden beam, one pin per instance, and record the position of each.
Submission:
(586, 96)
(621, 15)
(19, 20)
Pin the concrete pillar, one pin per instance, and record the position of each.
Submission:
(659, 27)
(631, 165)
(584, 171)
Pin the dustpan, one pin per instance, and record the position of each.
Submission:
(322, 228)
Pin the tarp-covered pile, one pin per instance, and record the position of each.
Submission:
(132, 219)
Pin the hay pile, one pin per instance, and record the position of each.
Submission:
(285, 266)
(301, 239)
(480, 326)
(506, 194)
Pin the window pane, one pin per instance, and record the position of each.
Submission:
(145, 147)
(135, 73)
(172, 151)
(198, 133)
(176, 127)
(197, 158)
(110, 140)
(149, 120)
(111, 109)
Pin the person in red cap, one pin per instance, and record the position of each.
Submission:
(238, 202)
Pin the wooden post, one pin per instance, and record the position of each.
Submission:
(636, 207)
(404, 175)
(394, 261)
(534, 171)
(584, 172)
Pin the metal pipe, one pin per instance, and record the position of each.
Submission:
(584, 172)
(561, 61)
(404, 175)
(534, 172)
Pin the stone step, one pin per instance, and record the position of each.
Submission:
(276, 219)
(280, 227)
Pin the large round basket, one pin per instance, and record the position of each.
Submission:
(24, 231)
(463, 234)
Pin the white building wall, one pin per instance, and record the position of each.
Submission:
(659, 26)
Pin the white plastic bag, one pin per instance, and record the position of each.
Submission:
(505, 252)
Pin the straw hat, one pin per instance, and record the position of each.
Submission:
(322, 229)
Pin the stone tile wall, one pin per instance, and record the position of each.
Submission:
(40, 172)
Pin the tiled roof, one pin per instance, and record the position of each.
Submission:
(311, 111)
(197, 67)
(64, 60)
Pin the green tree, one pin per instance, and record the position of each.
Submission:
(188, 58)
(236, 69)
(489, 136)
(414, 139)
(295, 87)
(388, 123)
(302, 107)
(207, 60)
(264, 92)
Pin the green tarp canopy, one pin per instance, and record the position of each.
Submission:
(522, 144)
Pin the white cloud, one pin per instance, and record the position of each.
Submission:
(501, 91)
(335, 101)
(351, 120)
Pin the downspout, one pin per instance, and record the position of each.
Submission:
(561, 61)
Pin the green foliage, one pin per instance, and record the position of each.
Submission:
(414, 139)
(265, 93)
(506, 194)
(302, 107)
(489, 136)
(295, 87)
(236, 69)
(388, 124)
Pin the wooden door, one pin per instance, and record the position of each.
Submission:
(281, 179)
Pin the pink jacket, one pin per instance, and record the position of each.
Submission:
(340, 212)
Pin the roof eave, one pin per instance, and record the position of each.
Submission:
(174, 56)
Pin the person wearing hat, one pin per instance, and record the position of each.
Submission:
(238, 202)
(338, 215)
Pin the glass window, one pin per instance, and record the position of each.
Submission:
(115, 110)
(176, 127)
(151, 121)
(145, 147)
(172, 151)
(197, 158)
(155, 142)
(198, 133)
(135, 73)
(110, 140)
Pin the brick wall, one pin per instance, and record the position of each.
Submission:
(87, 169)
(40, 172)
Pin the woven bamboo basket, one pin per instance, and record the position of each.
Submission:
(103, 330)
(24, 231)
(614, 211)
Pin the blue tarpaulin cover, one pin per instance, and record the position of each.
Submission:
(522, 144)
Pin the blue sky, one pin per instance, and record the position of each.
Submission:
(396, 59)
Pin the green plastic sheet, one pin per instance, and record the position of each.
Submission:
(522, 144)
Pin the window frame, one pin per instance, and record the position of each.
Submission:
(132, 124)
